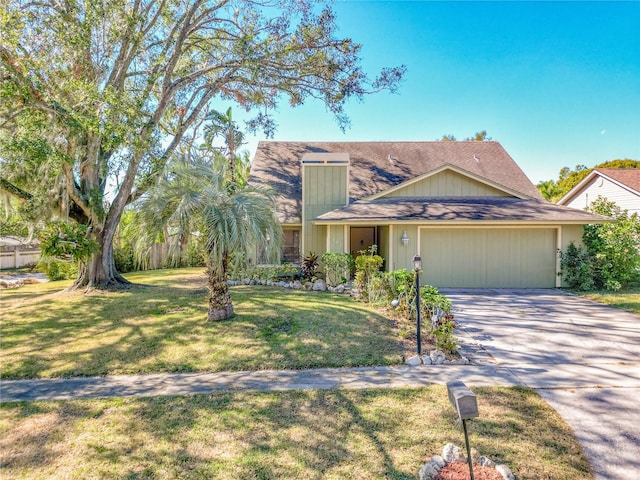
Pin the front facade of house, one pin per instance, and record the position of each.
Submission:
(465, 207)
(619, 185)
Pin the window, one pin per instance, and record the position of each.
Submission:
(291, 246)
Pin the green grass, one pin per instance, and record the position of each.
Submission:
(359, 434)
(159, 325)
(629, 299)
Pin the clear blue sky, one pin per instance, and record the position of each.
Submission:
(557, 83)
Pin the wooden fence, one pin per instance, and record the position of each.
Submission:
(159, 253)
(19, 258)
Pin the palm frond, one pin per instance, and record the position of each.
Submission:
(193, 197)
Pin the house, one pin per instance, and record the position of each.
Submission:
(466, 207)
(16, 252)
(619, 185)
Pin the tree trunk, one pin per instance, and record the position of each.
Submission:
(220, 305)
(100, 270)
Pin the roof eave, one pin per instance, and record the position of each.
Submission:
(453, 223)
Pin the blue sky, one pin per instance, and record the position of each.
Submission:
(557, 83)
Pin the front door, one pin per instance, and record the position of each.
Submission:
(361, 239)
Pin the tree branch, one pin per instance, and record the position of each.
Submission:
(11, 189)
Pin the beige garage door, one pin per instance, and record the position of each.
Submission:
(489, 258)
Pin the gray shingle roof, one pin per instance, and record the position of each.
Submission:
(277, 165)
(480, 209)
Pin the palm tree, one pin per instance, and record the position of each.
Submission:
(194, 197)
(222, 125)
(548, 189)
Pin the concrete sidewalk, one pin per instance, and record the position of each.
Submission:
(540, 377)
(264, 380)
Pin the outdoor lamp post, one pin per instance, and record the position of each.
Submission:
(417, 266)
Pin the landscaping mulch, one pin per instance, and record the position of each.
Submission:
(460, 471)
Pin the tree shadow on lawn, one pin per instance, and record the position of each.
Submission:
(298, 434)
(150, 329)
(91, 334)
(289, 435)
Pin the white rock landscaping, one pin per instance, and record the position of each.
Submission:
(318, 285)
(453, 453)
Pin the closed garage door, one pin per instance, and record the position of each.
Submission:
(489, 258)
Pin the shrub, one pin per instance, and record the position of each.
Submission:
(367, 265)
(195, 255)
(238, 266)
(610, 258)
(337, 267)
(63, 246)
(401, 287)
(377, 290)
(309, 266)
(58, 269)
(433, 303)
(444, 338)
(400, 282)
(286, 271)
(577, 268)
(124, 258)
(614, 248)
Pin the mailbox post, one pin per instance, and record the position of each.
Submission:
(466, 405)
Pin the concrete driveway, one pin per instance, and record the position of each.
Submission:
(583, 358)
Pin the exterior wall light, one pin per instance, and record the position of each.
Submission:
(405, 238)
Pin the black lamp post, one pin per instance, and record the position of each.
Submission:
(417, 266)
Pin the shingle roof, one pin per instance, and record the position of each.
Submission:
(277, 165)
(626, 176)
(480, 209)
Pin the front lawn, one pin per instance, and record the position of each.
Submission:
(336, 434)
(159, 325)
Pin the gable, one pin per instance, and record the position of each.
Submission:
(601, 186)
(446, 183)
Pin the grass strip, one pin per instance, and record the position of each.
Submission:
(336, 434)
(628, 300)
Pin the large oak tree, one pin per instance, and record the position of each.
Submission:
(96, 95)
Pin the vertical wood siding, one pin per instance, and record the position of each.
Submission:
(447, 184)
(324, 189)
(336, 239)
(489, 258)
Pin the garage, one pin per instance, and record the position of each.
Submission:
(489, 257)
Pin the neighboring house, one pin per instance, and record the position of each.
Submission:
(619, 185)
(17, 252)
(466, 207)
